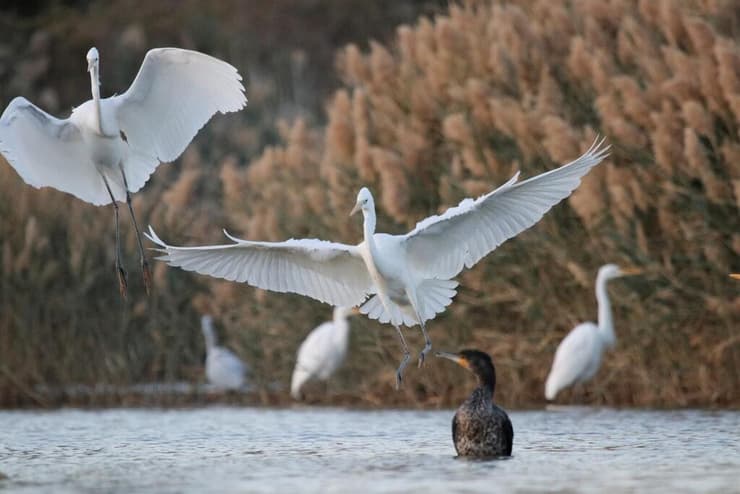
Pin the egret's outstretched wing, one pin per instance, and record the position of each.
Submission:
(330, 272)
(48, 152)
(174, 94)
(441, 246)
(574, 358)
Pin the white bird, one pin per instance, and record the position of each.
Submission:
(578, 356)
(109, 147)
(409, 277)
(224, 370)
(323, 351)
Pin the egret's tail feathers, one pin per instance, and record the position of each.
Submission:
(300, 376)
(433, 295)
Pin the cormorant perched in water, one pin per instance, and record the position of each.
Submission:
(480, 428)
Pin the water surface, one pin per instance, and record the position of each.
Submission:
(222, 449)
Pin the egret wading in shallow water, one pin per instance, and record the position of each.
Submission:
(109, 147)
(323, 351)
(480, 428)
(578, 356)
(408, 277)
(224, 370)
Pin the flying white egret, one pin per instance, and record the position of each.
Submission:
(224, 370)
(323, 351)
(409, 277)
(109, 147)
(578, 356)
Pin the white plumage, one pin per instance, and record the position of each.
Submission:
(407, 277)
(224, 370)
(109, 147)
(322, 352)
(578, 356)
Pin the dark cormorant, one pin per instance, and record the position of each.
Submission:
(480, 428)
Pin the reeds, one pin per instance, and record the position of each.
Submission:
(449, 109)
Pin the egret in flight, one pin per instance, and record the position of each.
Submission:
(578, 356)
(323, 351)
(224, 370)
(480, 428)
(409, 278)
(109, 147)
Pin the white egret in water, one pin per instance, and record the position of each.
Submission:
(109, 147)
(323, 351)
(578, 356)
(408, 277)
(224, 370)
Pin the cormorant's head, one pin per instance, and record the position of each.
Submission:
(477, 362)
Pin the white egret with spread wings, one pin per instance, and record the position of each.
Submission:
(408, 278)
(109, 147)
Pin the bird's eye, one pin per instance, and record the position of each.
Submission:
(364, 201)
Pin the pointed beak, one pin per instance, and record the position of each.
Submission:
(355, 209)
(455, 358)
(735, 276)
(630, 271)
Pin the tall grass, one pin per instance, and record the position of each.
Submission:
(449, 108)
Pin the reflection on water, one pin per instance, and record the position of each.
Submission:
(333, 450)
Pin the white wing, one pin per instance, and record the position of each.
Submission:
(330, 272)
(48, 152)
(174, 94)
(441, 246)
(573, 358)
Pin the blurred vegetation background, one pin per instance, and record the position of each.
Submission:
(426, 103)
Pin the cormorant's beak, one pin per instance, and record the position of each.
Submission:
(735, 276)
(462, 362)
(630, 271)
(355, 209)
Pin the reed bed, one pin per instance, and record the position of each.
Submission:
(449, 107)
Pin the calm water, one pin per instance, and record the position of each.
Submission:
(334, 450)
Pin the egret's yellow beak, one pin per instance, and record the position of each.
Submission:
(630, 271)
(355, 209)
(462, 362)
(735, 276)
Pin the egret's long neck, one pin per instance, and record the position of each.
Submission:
(368, 227)
(95, 85)
(209, 336)
(606, 323)
(341, 331)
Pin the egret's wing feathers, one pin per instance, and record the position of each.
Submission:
(174, 94)
(441, 246)
(48, 152)
(330, 272)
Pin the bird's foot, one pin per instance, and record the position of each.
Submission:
(399, 372)
(423, 354)
(147, 274)
(122, 283)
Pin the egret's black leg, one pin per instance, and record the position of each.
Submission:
(427, 344)
(120, 272)
(144, 262)
(404, 361)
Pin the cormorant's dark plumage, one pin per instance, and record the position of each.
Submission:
(480, 428)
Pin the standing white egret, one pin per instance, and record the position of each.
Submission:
(409, 276)
(109, 147)
(578, 356)
(323, 351)
(224, 370)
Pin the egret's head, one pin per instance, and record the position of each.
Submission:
(92, 58)
(364, 202)
(610, 271)
(477, 362)
(345, 312)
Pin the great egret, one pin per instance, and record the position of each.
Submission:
(323, 351)
(224, 370)
(578, 356)
(109, 147)
(480, 428)
(409, 277)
